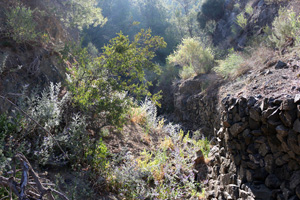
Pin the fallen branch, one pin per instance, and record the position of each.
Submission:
(19, 189)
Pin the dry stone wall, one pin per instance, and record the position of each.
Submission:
(257, 155)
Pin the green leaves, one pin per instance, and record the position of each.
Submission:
(104, 85)
(21, 24)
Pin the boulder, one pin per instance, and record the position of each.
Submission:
(237, 128)
(255, 114)
(281, 65)
(272, 181)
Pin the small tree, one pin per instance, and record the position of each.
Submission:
(21, 24)
(101, 85)
(191, 53)
(286, 25)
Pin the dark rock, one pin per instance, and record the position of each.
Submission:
(251, 149)
(282, 131)
(233, 190)
(264, 149)
(292, 142)
(267, 113)
(237, 128)
(274, 143)
(295, 180)
(261, 191)
(296, 126)
(237, 159)
(269, 163)
(247, 136)
(293, 165)
(260, 174)
(297, 98)
(256, 132)
(281, 65)
(251, 101)
(277, 101)
(293, 198)
(272, 114)
(260, 140)
(254, 125)
(249, 175)
(229, 178)
(255, 114)
(269, 129)
(298, 111)
(272, 182)
(252, 165)
(288, 117)
(281, 160)
(298, 191)
(282, 173)
(287, 104)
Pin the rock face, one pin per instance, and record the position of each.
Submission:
(257, 155)
(194, 107)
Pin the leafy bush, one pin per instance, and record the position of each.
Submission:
(8, 128)
(241, 20)
(187, 72)
(21, 24)
(230, 65)
(46, 108)
(191, 53)
(100, 85)
(286, 25)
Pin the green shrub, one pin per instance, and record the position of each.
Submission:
(21, 24)
(191, 53)
(249, 10)
(187, 72)
(241, 20)
(230, 65)
(102, 85)
(285, 25)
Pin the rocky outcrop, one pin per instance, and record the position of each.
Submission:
(195, 103)
(257, 155)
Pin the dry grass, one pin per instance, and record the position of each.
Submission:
(138, 116)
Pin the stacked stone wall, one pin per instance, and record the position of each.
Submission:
(257, 155)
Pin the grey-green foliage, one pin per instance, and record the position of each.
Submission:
(74, 138)
(285, 25)
(47, 108)
(20, 24)
(3, 59)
